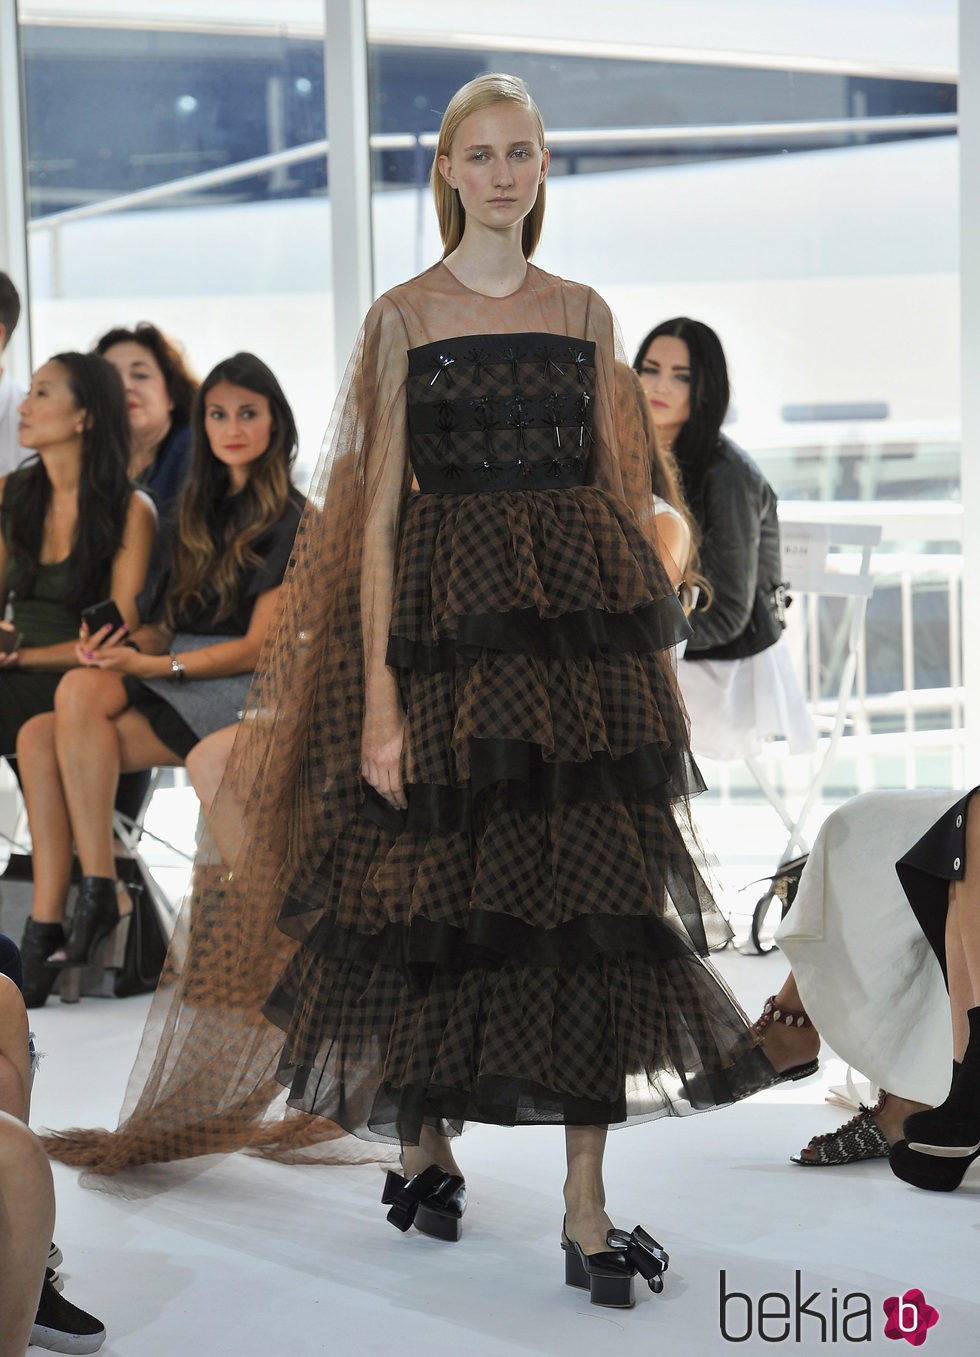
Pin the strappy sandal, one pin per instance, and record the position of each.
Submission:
(774, 1012)
(858, 1139)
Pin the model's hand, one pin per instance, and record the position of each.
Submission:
(381, 757)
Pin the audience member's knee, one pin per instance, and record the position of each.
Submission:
(85, 693)
(24, 1167)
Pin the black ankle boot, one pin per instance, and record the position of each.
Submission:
(952, 1130)
(95, 915)
(37, 944)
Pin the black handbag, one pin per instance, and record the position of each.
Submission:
(146, 942)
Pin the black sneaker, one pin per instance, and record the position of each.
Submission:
(63, 1327)
(54, 1278)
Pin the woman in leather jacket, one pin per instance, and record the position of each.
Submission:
(734, 704)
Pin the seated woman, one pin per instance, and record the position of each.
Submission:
(72, 531)
(736, 676)
(869, 973)
(159, 394)
(184, 673)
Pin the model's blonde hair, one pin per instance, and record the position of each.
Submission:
(473, 97)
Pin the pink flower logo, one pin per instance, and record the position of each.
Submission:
(909, 1317)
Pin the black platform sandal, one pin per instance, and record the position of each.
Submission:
(433, 1201)
(38, 942)
(932, 1172)
(608, 1276)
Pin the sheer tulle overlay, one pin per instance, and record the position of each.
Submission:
(526, 943)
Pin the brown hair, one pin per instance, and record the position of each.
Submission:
(199, 561)
(180, 381)
(483, 92)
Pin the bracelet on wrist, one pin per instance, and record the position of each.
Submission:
(177, 672)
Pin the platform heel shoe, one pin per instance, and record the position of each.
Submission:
(97, 935)
(433, 1201)
(608, 1276)
(38, 942)
(952, 1130)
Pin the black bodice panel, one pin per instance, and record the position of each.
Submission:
(501, 412)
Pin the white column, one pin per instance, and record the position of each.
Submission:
(969, 143)
(349, 168)
(13, 181)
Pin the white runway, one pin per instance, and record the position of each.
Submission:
(258, 1258)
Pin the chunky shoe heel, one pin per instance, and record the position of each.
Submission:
(575, 1273)
(114, 952)
(70, 984)
(615, 1292)
(95, 915)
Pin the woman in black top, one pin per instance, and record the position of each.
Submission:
(185, 672)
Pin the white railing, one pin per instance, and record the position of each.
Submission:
(913, 724)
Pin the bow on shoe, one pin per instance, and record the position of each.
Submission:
(649, 1258)
(439, 1190)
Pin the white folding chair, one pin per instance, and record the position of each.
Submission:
(820, 561)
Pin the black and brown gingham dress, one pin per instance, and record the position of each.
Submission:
(525, 943)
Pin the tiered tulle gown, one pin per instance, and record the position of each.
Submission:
(522, 945)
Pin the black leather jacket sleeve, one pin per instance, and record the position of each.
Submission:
(739, 548)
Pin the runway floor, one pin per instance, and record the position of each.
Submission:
(253, 1258)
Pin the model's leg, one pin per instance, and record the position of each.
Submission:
(26, 1227)
(47, 813)
(790, 1041)
(586, 1221)
(431, 1149)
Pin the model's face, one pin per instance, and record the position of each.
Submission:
(238, 423)
(148, 401)
(496, 164)
(666, 376)
(49, 416)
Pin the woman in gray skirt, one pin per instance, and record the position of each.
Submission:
(148, 700)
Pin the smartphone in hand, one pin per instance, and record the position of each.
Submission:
(103, 614)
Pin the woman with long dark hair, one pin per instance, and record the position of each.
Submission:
(184, 673)
(737, 681)
(73, 531)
